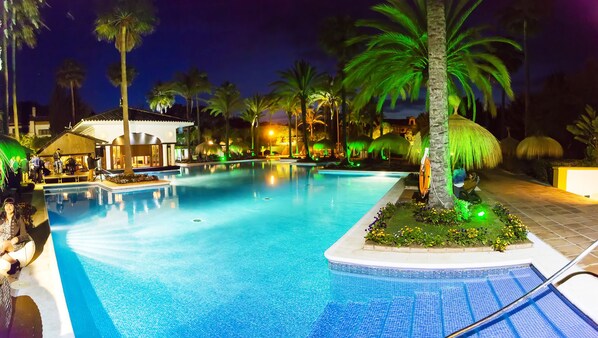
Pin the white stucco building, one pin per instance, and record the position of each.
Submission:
(153, 137)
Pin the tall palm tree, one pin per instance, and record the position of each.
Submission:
(189, 85)
(441, 179)
(335, 34)
(301, 81)
(225, 101)
(255, 106)
(396, 58)
(290, 105)
(161, 97)
(329, 98)
(70, 75)
(6, 30)
(125, 24)
(524, 17)
(25, 21)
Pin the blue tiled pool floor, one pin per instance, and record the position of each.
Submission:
(437, 305)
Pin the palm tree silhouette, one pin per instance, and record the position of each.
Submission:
(300, 81)
(255, 106)
(70, 75)
(125, 23)
(225, 101)
(189, 85)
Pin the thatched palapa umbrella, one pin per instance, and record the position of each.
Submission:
(391, 142)
(415, 150)
(534, 147)
(508, 145)
(471, 144)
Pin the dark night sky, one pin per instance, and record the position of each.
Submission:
(247, 42)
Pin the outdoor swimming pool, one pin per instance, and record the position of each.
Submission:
(231, 251)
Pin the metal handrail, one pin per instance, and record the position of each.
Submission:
(524, 297)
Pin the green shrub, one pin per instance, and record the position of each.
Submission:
(446, 227)
(434, 216)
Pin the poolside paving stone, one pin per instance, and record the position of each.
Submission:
(566, 221)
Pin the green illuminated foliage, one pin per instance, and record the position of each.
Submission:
(396, 58)
(225, 101)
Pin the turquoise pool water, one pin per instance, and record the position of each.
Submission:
(237, 251)
(234, 251)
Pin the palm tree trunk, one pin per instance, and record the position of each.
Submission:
(123, 92)
(257, 139)
(72, 101)
(289, 115)
(344, 113)
(381, 121)
(14, 89)
(5, 62)
(528, 117)
(304, 127)
(198, 123)
(252, 139)
(296, 135)
(188, 106)
(226, 141)
(440, 194)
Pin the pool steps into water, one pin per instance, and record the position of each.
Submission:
(437, 314)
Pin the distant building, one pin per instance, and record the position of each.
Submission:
(38, 125)
(153, 137)
(403, 126)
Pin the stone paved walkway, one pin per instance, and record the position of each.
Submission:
(566, 221)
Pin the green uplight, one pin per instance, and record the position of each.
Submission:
(481, 213)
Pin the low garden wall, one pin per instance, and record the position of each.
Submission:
(578, 180)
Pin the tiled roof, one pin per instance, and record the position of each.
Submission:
(134, 115)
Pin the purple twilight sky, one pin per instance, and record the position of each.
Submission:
(247, 42)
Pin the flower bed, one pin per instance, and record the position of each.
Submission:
(416, 225)
(135, 178)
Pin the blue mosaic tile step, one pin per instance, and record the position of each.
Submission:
(481, 301)
(427, 321)
(437, 304)
(398, 321)
(456, 313)
(339, 320)
(526, 319)
(374, 319)
(564, 319)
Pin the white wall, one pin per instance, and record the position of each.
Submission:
(108, 131)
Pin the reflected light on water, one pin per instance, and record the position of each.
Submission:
(272, 180)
